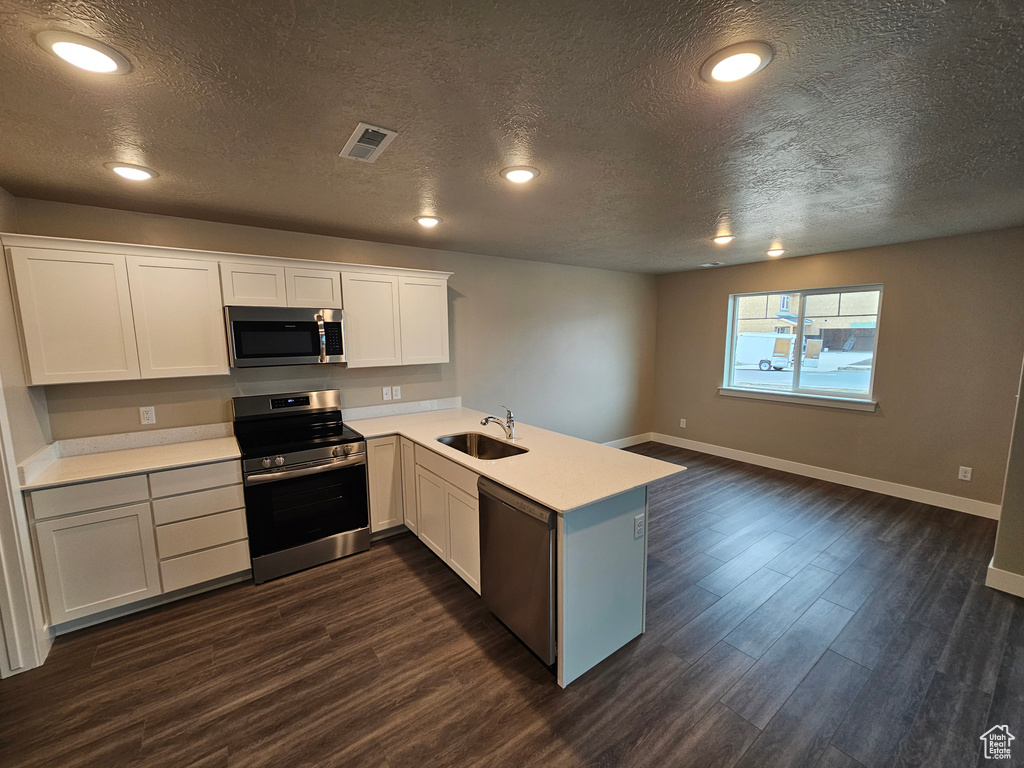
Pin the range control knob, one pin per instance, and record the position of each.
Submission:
(266, 463)
(339, 450)
(279, 460)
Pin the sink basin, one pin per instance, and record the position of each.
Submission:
(481, 446)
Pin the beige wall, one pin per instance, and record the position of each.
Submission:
(1009, 554)
(951, 338)
(567, 348)
(26, 408)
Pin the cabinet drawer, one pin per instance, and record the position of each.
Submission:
(189, 479)
(184, 571)
(81, 497)
(448, 470)
(174, 509)
(201, 533)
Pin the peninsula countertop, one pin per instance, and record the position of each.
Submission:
(558, 471)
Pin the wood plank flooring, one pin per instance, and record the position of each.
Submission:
(791, 623)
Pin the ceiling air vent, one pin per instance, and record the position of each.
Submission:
(367, 142)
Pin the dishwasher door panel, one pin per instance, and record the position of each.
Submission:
(517, 567)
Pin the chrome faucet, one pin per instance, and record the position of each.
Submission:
(509, 425)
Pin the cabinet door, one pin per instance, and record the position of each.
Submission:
(317, 288)
(179, 320)
(431, 512)
(98, 560)
(372, 329)
(383, 464)
(76, 315)
(409, 483)
(464, 534)
(253, 285)
(424, 319)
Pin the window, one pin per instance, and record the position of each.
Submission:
(819, 342)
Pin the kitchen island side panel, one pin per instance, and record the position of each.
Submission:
(601, 581)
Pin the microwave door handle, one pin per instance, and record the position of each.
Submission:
(323, 337)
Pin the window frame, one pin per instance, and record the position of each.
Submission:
(804, 395)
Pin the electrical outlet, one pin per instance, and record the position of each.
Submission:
(638, 527)
(396, 393)
(965, 473)
(682, 423)
(387, 393)
(147, 415)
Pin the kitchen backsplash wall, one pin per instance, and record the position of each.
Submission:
(568, 348)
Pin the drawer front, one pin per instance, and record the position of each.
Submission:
(456, 474)
(81, 497)
(201, 533)
(199, 478)
(174, 509)
(184, 571)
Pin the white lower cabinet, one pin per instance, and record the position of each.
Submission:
(430, 509)
(384, 475)
(463, 534)
(409, 483)
(98, 560)
(187, 528)
(448, 513)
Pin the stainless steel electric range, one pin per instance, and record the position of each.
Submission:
(304, 475)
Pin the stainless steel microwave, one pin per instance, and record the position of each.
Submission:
(265, 336)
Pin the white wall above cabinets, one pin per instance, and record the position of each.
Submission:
(91, 311)
(395, 319)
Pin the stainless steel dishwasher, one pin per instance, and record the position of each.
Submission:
(517, 565)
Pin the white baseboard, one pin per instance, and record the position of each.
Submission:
(626, 442)
(1005, 581)
(909, 492)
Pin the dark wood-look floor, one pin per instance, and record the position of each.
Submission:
(791, 622)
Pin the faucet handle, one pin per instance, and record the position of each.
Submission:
(508, 413)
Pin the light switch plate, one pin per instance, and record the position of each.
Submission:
(387, 393)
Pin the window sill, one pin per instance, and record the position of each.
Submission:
(848, 403)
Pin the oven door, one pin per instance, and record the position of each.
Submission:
(288, 507)
(267, 336)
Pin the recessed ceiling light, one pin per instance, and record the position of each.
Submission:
(83, 52)
(775, 251)
(713, 264)
(736, 62)
(428, 221)
(724, 239)
(520, 174)
(131, 172)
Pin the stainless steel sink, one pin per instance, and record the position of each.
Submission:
(481, 446)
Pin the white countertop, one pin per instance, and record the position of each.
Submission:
(132, 461)
(558, 471)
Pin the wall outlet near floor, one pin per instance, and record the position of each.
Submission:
(638, 527)
(396, 393)
(147, 415)
(387, 393)
(965, 473)
(682, 423)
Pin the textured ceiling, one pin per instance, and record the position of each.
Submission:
(877, 122)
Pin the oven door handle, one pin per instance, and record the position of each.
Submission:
(287, 474)
(323, 336)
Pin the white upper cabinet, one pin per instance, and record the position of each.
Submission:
(372, 321)
(319, 288)
(179, 321)
(423, 302)
(394, 320)
(253, 285)
(76, 315)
